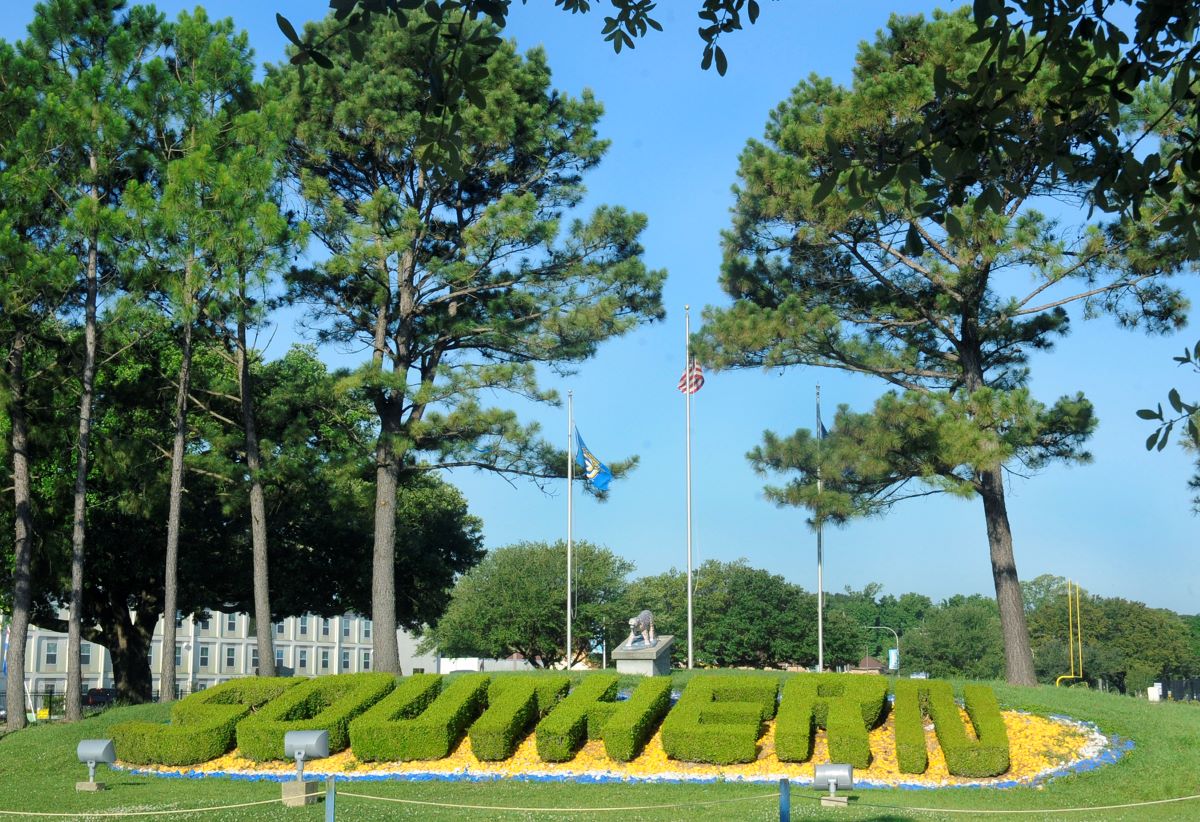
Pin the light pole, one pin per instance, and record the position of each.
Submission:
(896, 635)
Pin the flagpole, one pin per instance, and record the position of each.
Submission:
(820, 552)
(570, 508)
(687, 369)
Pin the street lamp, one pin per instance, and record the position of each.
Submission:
(896, 635)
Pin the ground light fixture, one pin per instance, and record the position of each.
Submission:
(303, 746)
(91, 751)
(832, 777)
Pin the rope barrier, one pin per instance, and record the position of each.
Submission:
(772, 795)
(1093, 808)
(127, 814)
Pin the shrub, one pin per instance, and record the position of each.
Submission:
(633, 721)
(326, 703)
(425, 724)
(909, 722)
(563, 730)
(719, 719)
(513, 704)
(202, 725)
(985, 756)
(845, 706)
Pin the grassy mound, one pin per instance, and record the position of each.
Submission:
(38, 769)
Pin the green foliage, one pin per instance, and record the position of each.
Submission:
(962, 638)
(326, 703)
(635, 720)
(1185, 414)
(416, 721)
(985, 755)
(511, 603)
(908, 719)
(1119, 637)
(719, 719)
(203, 725)
(846, 707)
(513, 704)
(582, 715)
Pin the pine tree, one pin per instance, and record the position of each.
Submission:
(458, 283)
(944, 309)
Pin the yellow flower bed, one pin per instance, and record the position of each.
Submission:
(1038, 745)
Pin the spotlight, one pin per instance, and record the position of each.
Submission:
(91, 751)
(833, 777)
(303, 746)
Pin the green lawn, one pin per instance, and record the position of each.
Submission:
(38, 772)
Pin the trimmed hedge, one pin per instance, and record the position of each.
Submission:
(718, 719)
(562, 732)
(987, 755)
(415, 722)
(202, 725)
(845, 706)
(909, 720)
(326, 703)
(635, 720)
(513, 704)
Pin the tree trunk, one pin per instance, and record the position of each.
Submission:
(383, 566)
(18, 630)
(129, 649)
(166, 685)
(78, 529)
(258, 507)
(1018, 657)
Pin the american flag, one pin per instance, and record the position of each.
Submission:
(696, 376)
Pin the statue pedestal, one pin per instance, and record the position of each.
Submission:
(646, 660)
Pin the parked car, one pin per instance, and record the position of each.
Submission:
(100, 697)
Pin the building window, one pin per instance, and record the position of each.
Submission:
(325, 627)
(51, 653)
(366, 660)
(345, 662)
(366, 625)
(85, 654)
(346, 626)
(418, 670)
(178, 655)
(230, 657)
(278, 659)
(204, 656)
(303, 625)
(200, 686)
(179, 690)
(302, 661)
(179, 619)
(324, 659)
(231, 623)
(204, 624)
(254, 660)
(279, 628)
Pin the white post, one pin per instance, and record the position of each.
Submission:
(570, 509)
(820, 552)
(687, 366)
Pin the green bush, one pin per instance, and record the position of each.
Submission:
(909, 721)
(391, 732)
(513, 704)
(845, 706)
(327, 703)
(202, 725)
(988, 755)
(563, 731)
(635, 720)
(718, 719)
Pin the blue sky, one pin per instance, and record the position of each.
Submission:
(1120, 526)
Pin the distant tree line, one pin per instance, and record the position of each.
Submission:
(512, 603)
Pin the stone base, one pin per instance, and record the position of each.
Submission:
(90, 786)
(645, 660)
(296, 794)
(835, 801)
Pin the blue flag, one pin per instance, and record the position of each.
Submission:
(594, 471)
